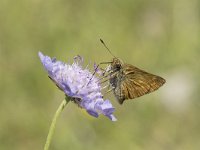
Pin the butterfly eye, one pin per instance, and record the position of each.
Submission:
(118, 66)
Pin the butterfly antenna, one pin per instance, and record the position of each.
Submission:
(107, 48)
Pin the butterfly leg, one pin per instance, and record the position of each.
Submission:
(108, 91)
(111, 74)
(106, 86)
(96, 69)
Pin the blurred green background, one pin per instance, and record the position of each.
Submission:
(161, 37)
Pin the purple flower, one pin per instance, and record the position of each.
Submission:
(79, 84)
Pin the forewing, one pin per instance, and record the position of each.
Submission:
(136, 82)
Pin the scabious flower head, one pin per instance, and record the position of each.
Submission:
(79, 84)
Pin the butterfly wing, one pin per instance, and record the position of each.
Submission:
(135, 82)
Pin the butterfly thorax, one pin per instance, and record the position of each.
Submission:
(116, 72)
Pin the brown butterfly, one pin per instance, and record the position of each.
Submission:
(129, 82)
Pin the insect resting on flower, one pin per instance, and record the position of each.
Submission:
(128, 81)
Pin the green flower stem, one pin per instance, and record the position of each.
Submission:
(53, 124)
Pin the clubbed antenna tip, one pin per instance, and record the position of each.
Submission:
(106, 47)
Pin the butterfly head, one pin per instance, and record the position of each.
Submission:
(116, 64)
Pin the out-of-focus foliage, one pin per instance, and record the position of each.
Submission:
(161, 37)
